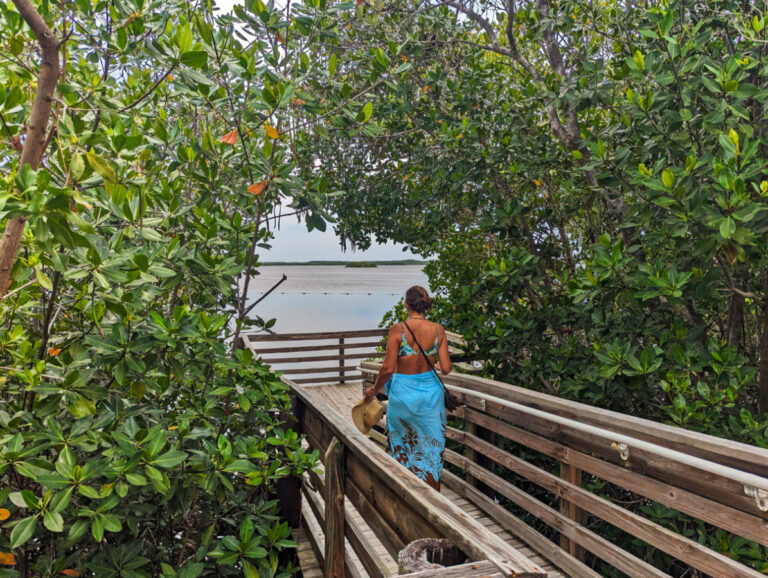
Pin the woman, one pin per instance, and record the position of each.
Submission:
(416, 410)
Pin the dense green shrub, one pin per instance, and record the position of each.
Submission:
(136, 439)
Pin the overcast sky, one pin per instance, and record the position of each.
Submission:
(293, 243)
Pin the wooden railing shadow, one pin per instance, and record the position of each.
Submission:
(718, 481)
(397, 506)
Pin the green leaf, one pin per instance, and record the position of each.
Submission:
(101, 166)
(23, 531)
(249, 570)
(332, 64)
(727, 228)
(367, 111)
(136, 479)
(97, 528)
(53, 521)
(639, 60)
(43, 279)
(169, 459)
(184, 38)
(195, 58)
(246, 529)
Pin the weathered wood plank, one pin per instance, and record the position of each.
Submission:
(327, 347)
(380, 526)
(352, 566)
(325, 380)
(337, 357)
(572, 475)
(256, 338)
(314, 530)
(469, 570)
(545, 547)
(305, 370)
(334, 510)
(359, 538)
(433, 508)
(599, 546)
(704, 508)
(369, 558)
(690, 552)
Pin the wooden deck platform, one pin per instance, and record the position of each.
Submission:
(342, 397)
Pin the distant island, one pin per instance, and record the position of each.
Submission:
(347, 263)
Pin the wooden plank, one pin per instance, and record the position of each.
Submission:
(341, 359)
(322, 357)
(323, 380)
(572, 475)
(253, 337)
(380, 527)
(334, 510)
(666, 540)
(545, 547)
(433, 509)
(705, 509)
(352, 567)
(305, 370)
(401, 516)
(468, 570)
(599, 546)
(314, 531)
(310, 567)
(369, 558)
(326, 347)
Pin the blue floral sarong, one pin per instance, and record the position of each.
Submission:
(416, 424)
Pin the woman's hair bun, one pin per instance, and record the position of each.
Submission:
(418, 299)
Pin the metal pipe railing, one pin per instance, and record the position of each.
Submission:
(754, 486)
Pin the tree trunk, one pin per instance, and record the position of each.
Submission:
(34, 145)
(762, 392)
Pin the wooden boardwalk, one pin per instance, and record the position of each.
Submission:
(717, 482)
(342, 397)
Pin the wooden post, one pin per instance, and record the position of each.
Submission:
(573, 475)
(334, 510)
(341, 361)
(469, 453)
(289, 487)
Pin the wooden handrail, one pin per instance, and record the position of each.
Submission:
(404, 503)
(704, 494)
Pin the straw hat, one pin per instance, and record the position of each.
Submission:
(366, 414)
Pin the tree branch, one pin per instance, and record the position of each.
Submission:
(34, 145)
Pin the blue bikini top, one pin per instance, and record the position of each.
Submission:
(406, 349)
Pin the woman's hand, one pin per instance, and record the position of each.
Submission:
(370, 393)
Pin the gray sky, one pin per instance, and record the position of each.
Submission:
(293, 242)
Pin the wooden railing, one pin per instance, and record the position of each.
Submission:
(397, 506)
(638, 475)
(330, 357)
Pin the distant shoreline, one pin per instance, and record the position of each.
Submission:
(342, 263)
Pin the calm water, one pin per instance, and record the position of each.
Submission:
(331, 298)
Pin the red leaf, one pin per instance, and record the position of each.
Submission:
(257, 188)
(230, 138)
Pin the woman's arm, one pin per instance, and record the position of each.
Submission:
(443, 357)
(389, 365)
